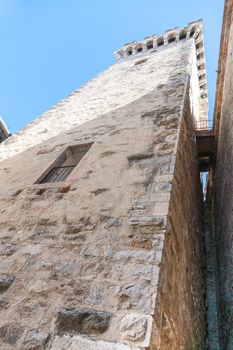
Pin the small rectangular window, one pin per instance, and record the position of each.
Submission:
(64, 164)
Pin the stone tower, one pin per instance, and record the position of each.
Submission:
(101, 230)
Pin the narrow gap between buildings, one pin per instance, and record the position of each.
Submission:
(211, 272)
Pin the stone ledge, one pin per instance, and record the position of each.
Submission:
(78, 343)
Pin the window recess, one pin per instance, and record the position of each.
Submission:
(64, 164)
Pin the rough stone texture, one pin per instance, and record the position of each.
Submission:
(180, 310)
(156, 43)
(136, 329)
(36, 340)
(223, 187)
(224, 51)
(96, 241)
(119, 85)
(10, 333)
(82, 321)
(211, 281)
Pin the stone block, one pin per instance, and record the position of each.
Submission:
(136, 329)
(8, 249)
(6, 281)
(161, 208)
(82, 321)
(96, 296)
(148, 224)
(137, 297)
(10, 333)
(36, 340)
(113, 222)
(6, 265)
(3, 304)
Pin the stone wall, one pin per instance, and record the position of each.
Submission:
(224, 194)
(117, 86)
(109, 259)
(4, 131)
(180, 311)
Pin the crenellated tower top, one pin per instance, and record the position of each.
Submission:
(154, 43)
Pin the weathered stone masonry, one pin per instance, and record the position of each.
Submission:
(182, 269)
(222, 180)
(111, 258)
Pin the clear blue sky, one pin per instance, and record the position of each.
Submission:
(51, 47)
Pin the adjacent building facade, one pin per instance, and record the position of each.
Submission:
(222, 184)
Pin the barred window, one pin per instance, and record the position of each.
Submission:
(64, 164)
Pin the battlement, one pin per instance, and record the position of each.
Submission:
(152, 44)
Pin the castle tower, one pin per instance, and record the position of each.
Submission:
(101, 232)
(222, 183)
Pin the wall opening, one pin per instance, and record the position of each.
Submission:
(201, 66)
(201, 77)
(199, 46)
(201, 55)
(183, 35)
(64, 164)
(192, 32)
(160, 42)
(171, 40)
(139, 49)
(129, 52)
(149, 45)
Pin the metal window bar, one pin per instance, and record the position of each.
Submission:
(58, 174)
(203, 125)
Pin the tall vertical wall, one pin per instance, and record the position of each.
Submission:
(223, 185)
(182, 273)
(111, 258)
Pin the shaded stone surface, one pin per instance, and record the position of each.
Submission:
(6, 281)
(10, 333)
(82, 321)
(3, 303)
(36, 340)
(181, 281)
(223, 181)
(136, 329)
